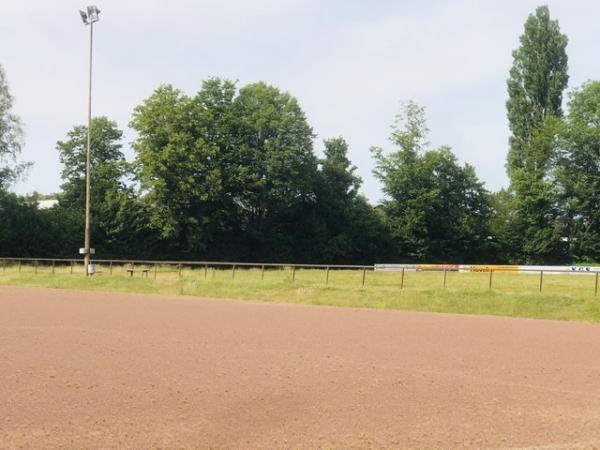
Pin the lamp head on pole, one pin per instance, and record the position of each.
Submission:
(90, 16)
(84, 17)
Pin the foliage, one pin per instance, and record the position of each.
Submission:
(537, 80)
(226, 163)
(536, 83)
(351, 229)
(177, 166)
(26, 231)
(116, 219)
(436, 209)
(11, 136)
(277, 169)
(578, 172)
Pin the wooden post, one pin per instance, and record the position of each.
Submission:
(19, 266)
(72, 264)
(491, 275)
(155, 270)
(364, 275)
(179, 265)
(293, 273)
(205, 271)
(233, 272)
(445, 273)
(111, 267)
(262, 272)
(596, 290)
(541, 280)
(402, 280)
(327, 277)
(35, 267)
(53, 263)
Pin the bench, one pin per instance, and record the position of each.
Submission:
(144, 272)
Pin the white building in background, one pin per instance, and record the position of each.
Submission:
(47, 204)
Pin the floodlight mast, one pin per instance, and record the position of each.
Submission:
(89, 17)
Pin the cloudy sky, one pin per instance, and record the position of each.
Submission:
(350, 63)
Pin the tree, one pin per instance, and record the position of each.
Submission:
(277, 173)
(228, 172)
(180, 147)
(536, 83)
(578, 171)
(339, 176)
(113, 209)
(27, 231)
(537, 221)
(11, 136)
(109, 167)
(350, 229)
(436, 209)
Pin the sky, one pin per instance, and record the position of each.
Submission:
(350, 63)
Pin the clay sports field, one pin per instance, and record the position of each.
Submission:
(94, 370)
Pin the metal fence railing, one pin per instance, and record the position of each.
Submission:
(146, 267)
(152, 268)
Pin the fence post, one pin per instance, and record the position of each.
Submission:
(233, 273)
(35, 267)
(262, 272)
(491, 275)
(596, 290)
(327, 276)
(155, 270)
(445, 272)
(53, 263)
(179, 265)
(19, 266)
(205, 271)
(364, 275)
(111, 263)
(293, 273)
(402, 280)
(72, 263)
(541, 280)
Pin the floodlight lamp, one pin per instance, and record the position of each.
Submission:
(92, 13)
(84, 17)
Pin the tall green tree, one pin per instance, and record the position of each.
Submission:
(109, 169)
(11, 137)
(537, 80)
(578, 172)
(350, 228)
(178, 162)
(536, 83)
(229, 171)
(339, 174)
(278, 172)
(437, 210)
(113, 207)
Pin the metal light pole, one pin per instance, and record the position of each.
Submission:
(89, 17)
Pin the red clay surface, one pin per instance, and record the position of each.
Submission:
(94, 370)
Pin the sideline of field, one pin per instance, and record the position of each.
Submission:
(564, 297)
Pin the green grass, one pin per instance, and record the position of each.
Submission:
(564, 297)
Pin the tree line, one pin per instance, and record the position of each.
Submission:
(230, 173)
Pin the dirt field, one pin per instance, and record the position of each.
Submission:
(91, 370)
